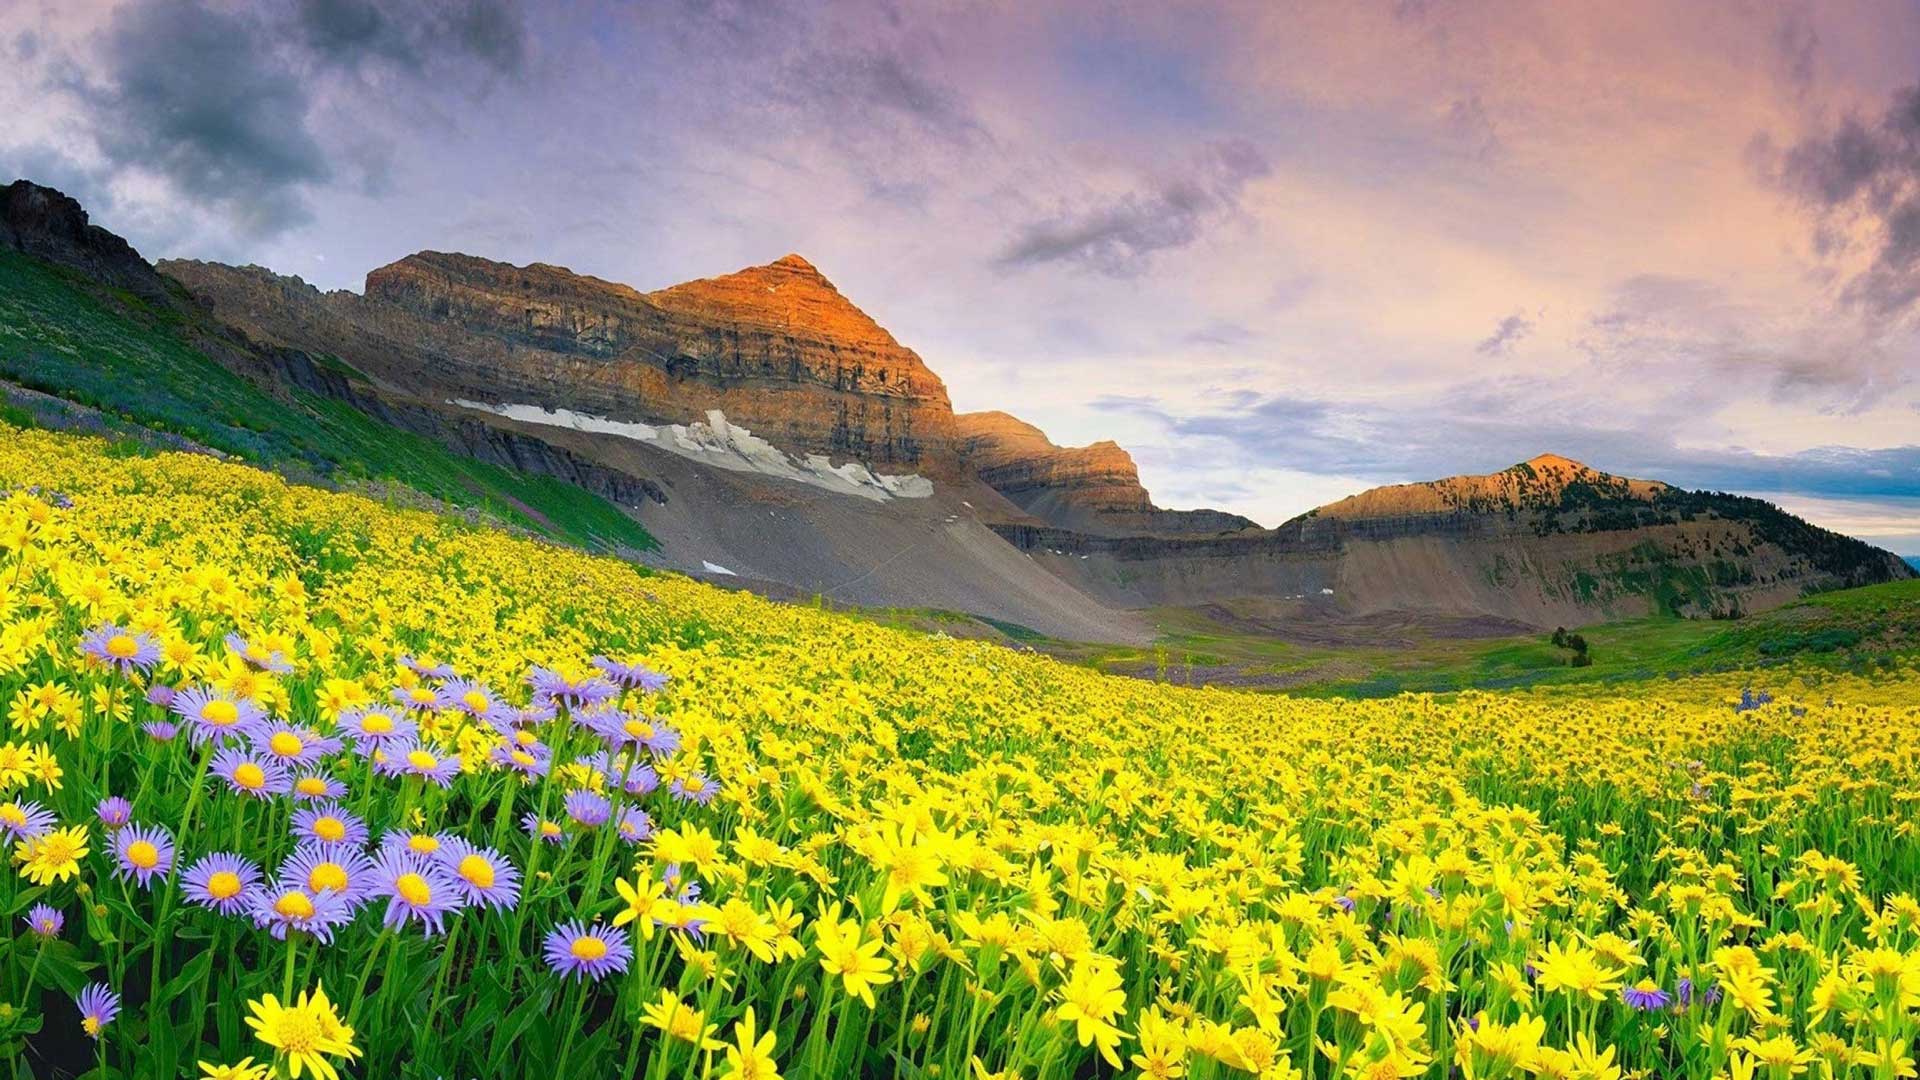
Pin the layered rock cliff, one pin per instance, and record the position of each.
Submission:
(1091, 488)
(776, 348)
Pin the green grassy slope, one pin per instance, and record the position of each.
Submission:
(131, 360)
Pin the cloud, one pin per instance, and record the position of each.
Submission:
(197, 96)
(354, 32)
(873, 85)
(1121, 236)
(1860, 178)
(1505, 336)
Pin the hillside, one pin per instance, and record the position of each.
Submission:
(100, 341)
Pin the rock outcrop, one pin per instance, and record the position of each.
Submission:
(776, 348)
(1093, 488)
(49, 225)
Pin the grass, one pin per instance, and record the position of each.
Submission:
(1861, 630)
(133, 361)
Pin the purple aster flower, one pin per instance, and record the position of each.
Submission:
(222, 881)
(251, 774)
(469, 697)
(286, 906)
(425, 669)
(532, 715)
(416, 887)
(113, 812)
(631, 676)
(116, 647)
(259, 656)
(335, 869)
(98, 1006)
(291, 745)
(329, 823)
(556, 688)
(160, 730)
(635, 826)
(23, 819)
(416, 697)
(316, 785)
(483, 876)
(424, 844)
(1646, 996)
(411, 758)
(589, 808)
(623, 729)
(373, 727)
(1685, 993)
(531, 761)
(543, 829)
(141, 852)
(214, 713)
(695, 787)
(587, 952)
(681, 888)
(45, 921)
(160, 694)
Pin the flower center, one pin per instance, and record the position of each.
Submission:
(224, 885)
(249, 775)
(522, 758)
(413, 889)
(639, 729)
(330, 829)
(299, 1032)
(328, 875)
(293, 905)
(377, 724)
(220, 712)
(11, 814)
(286, 744)
(122, 647)
(424, 843)
(525, 738)
(143, 854)
(475, 701)
(311, 785)
(420, 759)
(477, 871)
(587, 947)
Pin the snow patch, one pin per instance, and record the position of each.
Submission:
(716, 568)
(725, 445)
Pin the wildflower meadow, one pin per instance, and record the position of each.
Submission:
(295, 784)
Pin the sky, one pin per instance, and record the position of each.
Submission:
(1281, 252)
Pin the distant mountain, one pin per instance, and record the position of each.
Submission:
(1913, 561)
(1548, 541)
(1094, 488)
(767, 432)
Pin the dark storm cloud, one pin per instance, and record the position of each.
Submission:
(1861, 173)
(199, 96)
(1120, 237)
(489, 32)
(1505, 336)
(221, 102)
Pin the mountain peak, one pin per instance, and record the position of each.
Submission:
(1540, 481)
(793, 261)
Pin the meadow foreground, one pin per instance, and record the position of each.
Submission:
(298, 784)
